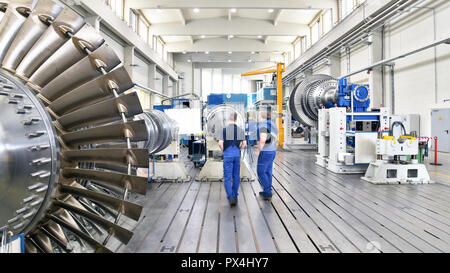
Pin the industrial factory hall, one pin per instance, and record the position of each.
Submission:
(248, 129)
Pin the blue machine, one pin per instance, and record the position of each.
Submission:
(266, 94)
(223, 98)
(358, 93)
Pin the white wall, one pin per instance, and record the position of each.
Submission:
(415, 75)
(414, 79)
(186, 84)
(140, 71)
(114, 43)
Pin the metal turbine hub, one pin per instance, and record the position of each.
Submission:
(313, 93)
(66, 126)
(29, 156)
(218, 118)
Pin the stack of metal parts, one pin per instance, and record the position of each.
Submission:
(159, 125)
(313, 93)
(62, 97)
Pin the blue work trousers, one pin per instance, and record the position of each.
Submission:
(264, 169)
(231, 174)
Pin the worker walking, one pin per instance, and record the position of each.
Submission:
(231, 144)
(266, 151)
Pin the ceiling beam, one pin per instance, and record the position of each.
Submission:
(224, 57)
(225, 45)
(238, 4)
(224, 27)
(277, 16)
(182, 16)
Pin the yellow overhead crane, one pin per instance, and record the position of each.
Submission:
(278, 69)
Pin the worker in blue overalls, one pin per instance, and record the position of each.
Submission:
(266, 152)
(231, 144)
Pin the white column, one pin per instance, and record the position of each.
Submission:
(129, 60)
(165, 85)
(94, 21)
(375, 77)
(151, 75)
(335, 65)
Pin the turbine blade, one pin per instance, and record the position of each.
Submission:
(102, 112)
(137, 157)
(120, 233)
(127, 208)
(43, 241)
(54, 37)
(38, 21)
(98, 247)
(80, 73)
(67, 55)
(15, 16)
(93, 91)
(134, 183)
(107, 133)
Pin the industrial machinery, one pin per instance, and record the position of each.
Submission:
(388, 168)
(163, 147)
(277, 71)
(217, 119)
(64, 110)
(298, 136)
(347, 128)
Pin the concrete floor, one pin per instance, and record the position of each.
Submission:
(312, 210)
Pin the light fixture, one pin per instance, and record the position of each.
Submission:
(203, 36)
(229, 61)
(270, 10)
(230, 36)
(158, 10)
(184, 52)
(206, 52)
(196, 10)
(253, 52)
(233, 10)
(249, 60)
(229, 52)
(189, 60)
(259, 36)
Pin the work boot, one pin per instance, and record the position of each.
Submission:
(232, 201)
(265, 196)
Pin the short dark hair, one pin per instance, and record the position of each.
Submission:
(267, 115)
(233, 116)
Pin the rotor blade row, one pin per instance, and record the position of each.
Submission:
(105, 111)
(134, 183)
(137, 157)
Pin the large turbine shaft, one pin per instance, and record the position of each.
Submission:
(313, 93)
(162, 130)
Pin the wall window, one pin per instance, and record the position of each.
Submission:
(227, 83)
(327, 21)
(346, 7)
(315, 32)
(217, 80)
(305, 43)
(236, 83)
(206, 82)
(297, 48)
(159, 47)
(117, 7)
(143, 29)
(133, 20)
